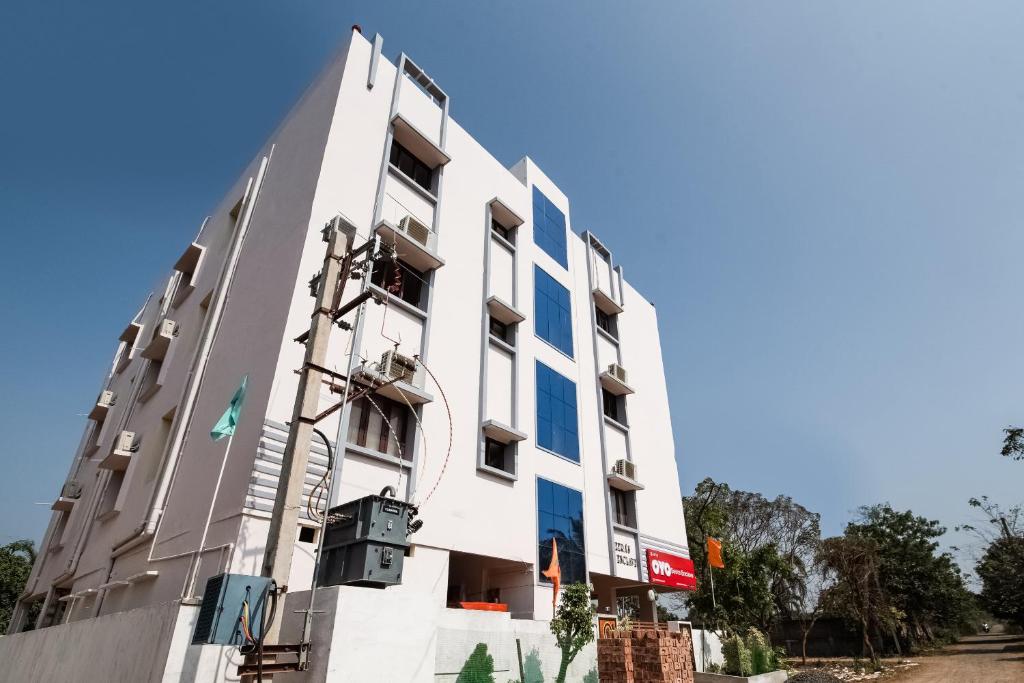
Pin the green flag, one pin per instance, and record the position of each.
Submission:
(229, 420)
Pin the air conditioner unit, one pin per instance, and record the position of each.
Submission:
(104, 402)
(415, 230)
(394, 365)
(120, 453)
(167, 328)
(125, 442)
(161, 340)
(618, 372)
(625, 468)
(72, 489)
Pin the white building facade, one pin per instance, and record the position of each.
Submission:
(541, 366)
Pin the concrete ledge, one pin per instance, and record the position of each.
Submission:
(770, 677)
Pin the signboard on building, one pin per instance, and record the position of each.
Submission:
(625, 556)
(666, 569)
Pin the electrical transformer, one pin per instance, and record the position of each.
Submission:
(224, 600)
(365, 542)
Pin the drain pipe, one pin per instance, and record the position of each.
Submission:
(147, 530)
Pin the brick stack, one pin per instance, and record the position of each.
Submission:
(646, 657)
(615, 660)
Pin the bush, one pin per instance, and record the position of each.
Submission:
(761, 654)
(751, 655)
(737, 657)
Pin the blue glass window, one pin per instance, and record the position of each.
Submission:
(556, 413)
(549, 227)
(552, 314)
(560, 517)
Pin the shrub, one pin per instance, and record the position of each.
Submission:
(737, 657)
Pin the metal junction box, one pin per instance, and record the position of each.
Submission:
(219, 621)
(365, 543)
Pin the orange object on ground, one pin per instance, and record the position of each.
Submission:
(485, 606)
(715, 553)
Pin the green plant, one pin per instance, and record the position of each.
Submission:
(573, 625)
(760, 651)
(737, 656)
(16, 560)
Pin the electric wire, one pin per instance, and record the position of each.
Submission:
(423, 433)
(313, 508)
(398, 442)
(451, 429)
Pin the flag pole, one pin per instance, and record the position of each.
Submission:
(209, 516)
(711, 574)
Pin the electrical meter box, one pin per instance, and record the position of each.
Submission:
(365, 542)
(224, 603)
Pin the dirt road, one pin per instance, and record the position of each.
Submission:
(976, 659)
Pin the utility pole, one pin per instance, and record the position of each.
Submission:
(277, 562)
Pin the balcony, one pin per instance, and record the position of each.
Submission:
(614, 380)
(415, 243)
(624, 477)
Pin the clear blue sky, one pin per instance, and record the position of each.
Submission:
(824, 200)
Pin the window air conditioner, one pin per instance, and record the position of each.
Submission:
(618, 372)
(394, 365)
(415, 230)
(625, 468)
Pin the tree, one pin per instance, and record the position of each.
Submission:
(573, 625)
(923, 586)
(767, 544)
(1001, 523)
(1001, 571)
(16, 560)
(810, 606)
(1013, 443)
(855, 591)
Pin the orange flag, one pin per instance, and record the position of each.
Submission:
(554, 572)
(715, 553)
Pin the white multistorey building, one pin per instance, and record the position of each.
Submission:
(538, 358)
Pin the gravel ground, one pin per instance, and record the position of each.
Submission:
(814, 677)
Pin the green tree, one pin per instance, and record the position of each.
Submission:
(768, 546)
(1001, 570)
(16, 560)
(1013, 443)
(479, 668)
(573, 625)
(923, 586)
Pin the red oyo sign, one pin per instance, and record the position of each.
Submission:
(666, 569)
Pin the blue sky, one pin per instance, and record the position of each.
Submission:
(823, 200)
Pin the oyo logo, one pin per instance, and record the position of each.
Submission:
(661, 567)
